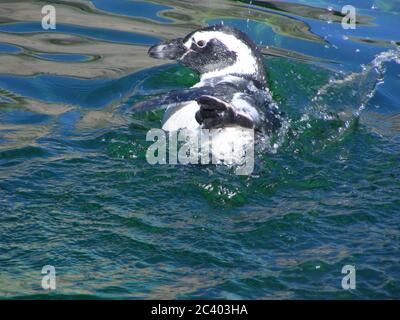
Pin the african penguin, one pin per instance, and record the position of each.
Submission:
(232, 91)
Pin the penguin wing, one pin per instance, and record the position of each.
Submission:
(172, 98)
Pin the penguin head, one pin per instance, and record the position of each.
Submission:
(214, 51)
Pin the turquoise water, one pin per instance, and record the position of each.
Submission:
(77, 193)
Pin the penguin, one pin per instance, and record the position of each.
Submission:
(232, 91)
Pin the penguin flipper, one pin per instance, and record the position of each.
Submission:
(216, 113)
(171, 98)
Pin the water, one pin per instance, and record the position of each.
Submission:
(77, 193)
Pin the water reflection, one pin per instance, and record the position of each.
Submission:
(108, 40)
(75, 185)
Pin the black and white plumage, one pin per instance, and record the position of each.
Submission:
(233, 87)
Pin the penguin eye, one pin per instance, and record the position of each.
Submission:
(201, 43)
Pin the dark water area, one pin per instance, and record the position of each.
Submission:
(77, 193)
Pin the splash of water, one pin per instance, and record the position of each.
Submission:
(362, 87)
(335, 108)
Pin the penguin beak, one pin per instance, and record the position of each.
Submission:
(171, 49)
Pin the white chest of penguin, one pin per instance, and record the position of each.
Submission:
(229, 144)
(183, 117)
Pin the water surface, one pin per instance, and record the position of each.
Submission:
(76, 191)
